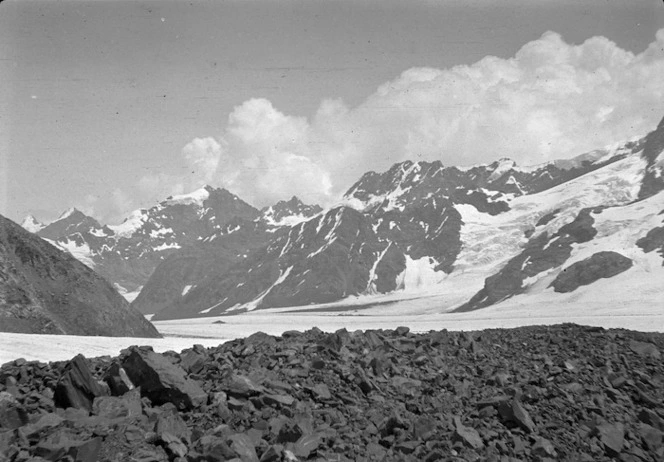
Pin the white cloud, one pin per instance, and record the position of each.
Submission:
(89, 204)
(121, 201)
(551, 100)
(203, 154)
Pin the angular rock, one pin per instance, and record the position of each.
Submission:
(242, 386)
(424, 428)
(651, 418)
(174, 445)
(169, 421)
(243, 447)
(60, 445)
(289, 432)
(307, 445)
(192, 361)
(468, 435)
(46, 421)
(543, 448)
(513, 411)
(117, 380)
(160, 380)
(214, 448)
(612, 437)
(278, 400)
(77, 387)
(652, 437)
(645, 349)
(321, 391)
(123, 407)
(12, 413)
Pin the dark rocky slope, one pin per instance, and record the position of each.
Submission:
(44, 290)
(653, 181)
(599, 265)
(653, 241)
(566, 392)
(185, 278)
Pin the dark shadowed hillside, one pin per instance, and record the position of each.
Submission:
(44, 290)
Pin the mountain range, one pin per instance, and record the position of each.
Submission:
(479, 235)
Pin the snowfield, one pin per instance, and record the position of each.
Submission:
(616, 308)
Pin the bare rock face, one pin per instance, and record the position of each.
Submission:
(598, 266)
(653, 241)
(46, 290)
(653, 181)
(565, 392)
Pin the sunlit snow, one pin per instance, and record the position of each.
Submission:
(132, 223)
(81, 252)
(196, 197)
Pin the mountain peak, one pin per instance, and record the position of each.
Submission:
(30, 223)
(195, 197)
(68, 213)
(292, 202)
(289, 213)
(502, 166)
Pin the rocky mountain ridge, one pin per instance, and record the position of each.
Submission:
(127, 254)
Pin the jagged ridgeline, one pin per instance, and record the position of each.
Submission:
(482, 234)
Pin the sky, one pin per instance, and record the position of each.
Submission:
(113, 105)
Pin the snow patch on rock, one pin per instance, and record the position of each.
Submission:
(196, 197)
(30, 223)
(132, 223)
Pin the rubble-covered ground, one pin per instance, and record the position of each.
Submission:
(562, 392)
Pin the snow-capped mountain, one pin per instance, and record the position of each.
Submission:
(289, 213)
(127, 254)
(423, 228)
(202, 264)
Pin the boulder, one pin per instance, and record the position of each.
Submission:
(77, 387)
(468, 435)
(12, 413)
(117, 380)
(160, 380)
(513, 411)
(612, 437)
(645, 349)
(122, 407)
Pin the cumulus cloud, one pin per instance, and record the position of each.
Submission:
(550, 100)
(203, 154)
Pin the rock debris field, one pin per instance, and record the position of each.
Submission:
(565, 392)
